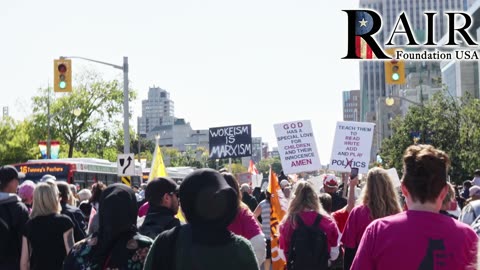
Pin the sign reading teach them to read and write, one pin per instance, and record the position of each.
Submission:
(230, 142)
(352, 146)
(297, 147)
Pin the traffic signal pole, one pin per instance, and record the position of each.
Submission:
(124, 68)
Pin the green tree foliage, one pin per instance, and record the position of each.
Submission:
(264, 165)
(449, 124)
(99, 102)
(18, 141)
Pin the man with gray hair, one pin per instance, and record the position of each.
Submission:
(247, 197)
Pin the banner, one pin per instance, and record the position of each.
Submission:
(297, 147)
(158, 167)
(230, 142)
(352, 146)
(42, 145)
(54, 149)
(278, 203)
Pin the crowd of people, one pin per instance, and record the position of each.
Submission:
(211, 221)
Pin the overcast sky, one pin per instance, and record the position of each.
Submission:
(223, 62)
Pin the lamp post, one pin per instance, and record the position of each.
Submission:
(124, 68)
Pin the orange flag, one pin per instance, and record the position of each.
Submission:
(278, 203)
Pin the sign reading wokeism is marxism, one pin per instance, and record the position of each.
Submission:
(352, 146)
(297, 147)
(230, 142)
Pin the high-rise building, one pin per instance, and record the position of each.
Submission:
(351, 105)
(462, 77)
(157, 111)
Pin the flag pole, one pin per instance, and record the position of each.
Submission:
(230, 165)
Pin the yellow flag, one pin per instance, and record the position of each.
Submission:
(158, 167)
(278, 203)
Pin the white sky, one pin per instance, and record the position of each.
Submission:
(224, 62)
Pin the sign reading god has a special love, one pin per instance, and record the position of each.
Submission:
(297, 147)
(352, 146)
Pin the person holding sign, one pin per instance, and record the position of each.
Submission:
(378, 199)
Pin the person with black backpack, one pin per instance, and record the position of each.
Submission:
(308, 235)
(13, 216)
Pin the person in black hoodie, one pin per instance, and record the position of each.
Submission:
(13, 216)
(74, 213)
(117, 244)
(209, 205)
(162, 196)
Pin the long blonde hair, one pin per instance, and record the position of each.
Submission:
(379, 195)
(304, 198)
(45, 200)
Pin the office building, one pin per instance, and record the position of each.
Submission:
(351, 105)
(157, 110)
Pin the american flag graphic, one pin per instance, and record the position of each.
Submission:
(363, 25)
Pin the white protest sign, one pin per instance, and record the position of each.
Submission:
(297, 147)
(352, 146)
(394, 177)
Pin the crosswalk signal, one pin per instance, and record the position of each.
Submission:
(62, 70)
(394, 70)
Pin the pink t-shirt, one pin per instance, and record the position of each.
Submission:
(245, 224)
(357, 222)
(417, 240)
(326, 224)
(142, 211)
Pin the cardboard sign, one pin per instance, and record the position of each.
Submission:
(230, 142)
(297, 147)
(352, 146)
(394, 177)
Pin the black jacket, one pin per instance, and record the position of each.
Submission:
(78, 219)
(157, 220)
(15, 214)
(250, 201)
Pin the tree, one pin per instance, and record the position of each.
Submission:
(264, 165)
(19, 142)
(99, 101)
(448, 123)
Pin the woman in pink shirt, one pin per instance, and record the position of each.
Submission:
(245, 223)
(306, 205)
(378, 199)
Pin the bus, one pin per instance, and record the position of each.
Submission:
(175, 173)
(79, 171)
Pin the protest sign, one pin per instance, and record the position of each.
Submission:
(394, 177)
(297, 147)
(352, 146)
(230, 142)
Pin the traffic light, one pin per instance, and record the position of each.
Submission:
(394, 70)
(62, 70)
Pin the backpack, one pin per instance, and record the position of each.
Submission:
(308, 247)
(476, 225)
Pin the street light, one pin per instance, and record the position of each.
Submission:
(124, 68)
(390, 101)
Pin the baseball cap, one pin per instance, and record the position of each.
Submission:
(330, 181)
(156, 188)
(47, 177)
(474, 191)
(8, 173)
(476, 172)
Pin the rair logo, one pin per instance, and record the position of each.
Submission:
(364, 24)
